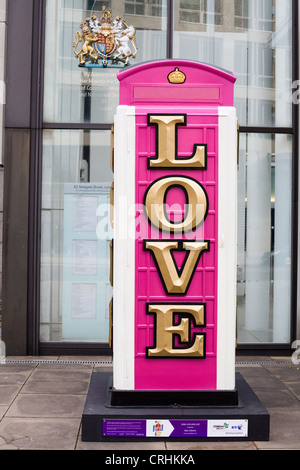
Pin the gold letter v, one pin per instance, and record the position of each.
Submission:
(176, 281)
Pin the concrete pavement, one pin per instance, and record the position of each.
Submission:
(42, 399)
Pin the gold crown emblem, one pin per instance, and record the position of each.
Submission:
(176, 76)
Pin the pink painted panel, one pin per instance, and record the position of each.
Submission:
(176, 374)
(185, 93)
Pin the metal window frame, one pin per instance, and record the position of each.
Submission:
(34, 346)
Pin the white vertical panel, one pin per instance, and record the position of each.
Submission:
(227, 249)
(45, 314)
(282, 241)
(283, 183)
(124, 249)
(257, 287)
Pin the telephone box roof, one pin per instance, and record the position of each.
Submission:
(163, 81)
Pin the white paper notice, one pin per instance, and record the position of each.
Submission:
(84, 301)
(85, 257)
(227, 428)
(161, 428)
(85, 217)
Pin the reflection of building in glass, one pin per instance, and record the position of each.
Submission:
(203, 11)
(222, 39)
(253, 39)
(140, 7)
(247, 37)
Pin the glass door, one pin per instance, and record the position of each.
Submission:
(75, 237)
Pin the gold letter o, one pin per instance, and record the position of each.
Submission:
(196, 205)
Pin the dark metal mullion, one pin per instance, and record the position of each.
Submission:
(266, 130)
(77, 126)
(33, 317)
(169, 29)
(295, 175)
(267, 348)
(107, 126)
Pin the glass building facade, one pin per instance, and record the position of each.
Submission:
(254, 39)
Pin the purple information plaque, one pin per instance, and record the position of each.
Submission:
(174, 428)
(154, 428)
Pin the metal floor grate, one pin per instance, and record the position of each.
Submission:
(54, 361)
(110, 363)
(265, 362)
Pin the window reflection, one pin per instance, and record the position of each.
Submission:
(67, 86)
(264, 246)
(141, 7)
(75, 253)
(253, 39)
(201, 11)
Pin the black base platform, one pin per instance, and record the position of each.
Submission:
(105, 419)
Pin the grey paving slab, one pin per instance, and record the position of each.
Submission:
(60, 366)
(38, 434)
(55, 386)
(285, 372)
(253, 371)
(294, 388)
(3, 410)
(58, 381)
(261, 382)
(284, 430)
(273, 398)
(85, 359)
(12, 368)
(65, 374)
(8, 393)
(13, 378)
(48, 378)
(47, 405)
(122, 446)
(196, 446)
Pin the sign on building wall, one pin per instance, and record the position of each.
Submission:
(175, 164)
(105, 41)
(85, 275)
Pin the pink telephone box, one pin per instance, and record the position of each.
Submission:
(174, 270)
